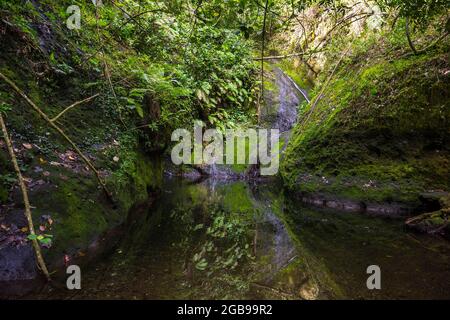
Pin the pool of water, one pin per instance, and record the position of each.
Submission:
(234, 240)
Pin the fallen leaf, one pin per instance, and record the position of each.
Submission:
(27, 180)
(46, 173)
(27, 146)
(42, 228)
(24, 229)
(40, 182)
(38, 169)
(116, 159)
(66, 259)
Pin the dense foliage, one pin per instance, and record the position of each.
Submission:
(421, 11)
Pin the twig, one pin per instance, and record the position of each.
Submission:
(61, 132)
(133, 18)
(434, 43)
(262, 59)
(298, 54)
(304, 94)
(408, 35)
(341, 21)
(316, 100)
(73, 106)
(285, 295)
(106, 67)
(194, 18)
(113, 91)
(26, 201)
(127, 14)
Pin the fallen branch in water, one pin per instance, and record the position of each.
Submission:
(26, 201)
(62, 133)
(283, 294)
(425, 216)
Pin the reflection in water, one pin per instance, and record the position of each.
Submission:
(233, 240)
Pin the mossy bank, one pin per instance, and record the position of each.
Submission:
(68, 205)
(377, 138)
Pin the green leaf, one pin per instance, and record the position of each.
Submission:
(140, 111)
(32, 237)
(4, 107)
(198, 227)
(46, 241)
(201, 265)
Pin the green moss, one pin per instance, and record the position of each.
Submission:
(76, 203)
(79, 207)
(78, 213)
(237, 200)
(137, 175)
(379, 136)
(5, 177)
(296, 72)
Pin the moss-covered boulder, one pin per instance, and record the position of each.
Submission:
(69, 196)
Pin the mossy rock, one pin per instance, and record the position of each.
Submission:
(78, 206)
(381, 136)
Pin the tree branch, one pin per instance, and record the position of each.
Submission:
(262, 58)
(408, 35)
(73, 106)
(26, 201)
(62, 133)
(298, 54)
(316, 99)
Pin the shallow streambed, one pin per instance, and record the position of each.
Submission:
(223, 240)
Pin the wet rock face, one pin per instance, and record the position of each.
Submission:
(282, 101)
(17, 263)
(18, 271)
(17, 260)
(289, 101)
